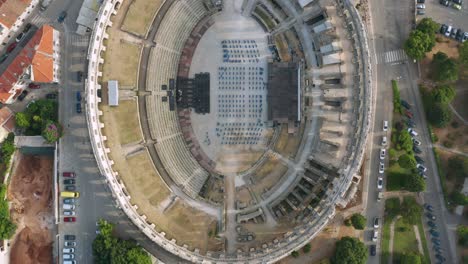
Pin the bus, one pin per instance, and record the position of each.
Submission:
(70, 194)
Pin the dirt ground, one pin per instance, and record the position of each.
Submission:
(30, 192)
(140, 16)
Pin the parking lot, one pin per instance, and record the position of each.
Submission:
(447, 14)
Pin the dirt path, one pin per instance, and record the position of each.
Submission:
(392, 234)
(418, 237)
(30, 192)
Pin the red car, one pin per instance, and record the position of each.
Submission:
(11, 47)
(408, 114)
(69, 174)
(69, 219)
(34, 86)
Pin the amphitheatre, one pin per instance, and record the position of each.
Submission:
(236, 126)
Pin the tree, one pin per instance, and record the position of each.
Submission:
(358, 221)
(306, 248)
(418, 44)
(295, 254)
(407, 161)
(415, 183)
(445, 68)
(428, 26)
(410, 258)
(457, 167)
(439, 115)
(137, 255)
(392, 207)
(463, 51)
(349, 250)
(405, 141)
(443, 94)
(22, 120)
(411, 210)
(462, 233)
(52, 132)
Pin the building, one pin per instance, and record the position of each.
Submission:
(283, 94)
(113, 87)
(37, 62)
(7, 122)
(12, 16)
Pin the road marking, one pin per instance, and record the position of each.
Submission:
(392, 56)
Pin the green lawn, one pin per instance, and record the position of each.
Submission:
(426, 259)
(404, 239)
(396, 177)
(385, 241)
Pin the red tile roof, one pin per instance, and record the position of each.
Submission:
(6, 119)
(10, 10)
(37, 53)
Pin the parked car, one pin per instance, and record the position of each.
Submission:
(416, 142)
(453, 33)
(408, 114)
(382, 153)
(376, 222)
(69, 181)
(78, 96)
(412, 132)
(420, 12)
(70, 188)
(431, 224)
(405, 104)
(419, 159)
(23, 95)
(380, 183)
(457, 6)
(430, 216)
(443, 28)
(79, 76)
(381, 167)
(459, 35)
(410, 123)
(421, 1)
(373, 250)
(68, 256)
(436, 241)
(62, 16)
(440, 257)
(51, 96)
(68, 212)
(69, 207)
(428, 207)
(69, 237)
(417, 150)
(11, 47)
(20, 37)
(69, 174)
(69, 219)
(459, 2)
(465, 37)
(375, 235)
(70, 243)
(78, 108)
(434, 233)
(385, 125)
(69, 200)
(444, 2)
(68, 250)
(384, 141)
(3, 57)
(421, 167)
(449, 30)
(34, 86)
(27, 27)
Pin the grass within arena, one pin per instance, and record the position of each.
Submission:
(122, 122)
(140, 16)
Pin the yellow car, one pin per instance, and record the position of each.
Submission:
(457, 6)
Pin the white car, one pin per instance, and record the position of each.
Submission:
(384, 141)
(68, 250)
(385, 125)
(382, 154)
(381, 167)
(68, 212)
(421, 167)
(68, 256)
(380, 183)
(420, 6)
(375, 235)
(376, 222)
(412, 132)
(416, 142)
(70, 244)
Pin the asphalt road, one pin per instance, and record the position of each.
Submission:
(391, 24)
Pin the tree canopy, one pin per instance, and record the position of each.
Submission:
(37, 118)
(444, 68)
(439, 115)
(428, 26)
(410, 258)
(109, 249)
(358, 221)
(404, 140)
(418, 44)
(407, 161)
(349, 250)
(463, 51)
(462, 233)
(7, 227)
(443, 94)
(411, 210)
(415, 183)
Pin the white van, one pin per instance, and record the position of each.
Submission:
(69, 207)
(68, 250)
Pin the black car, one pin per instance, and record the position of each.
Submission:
(444, 2)
(69, 181)
(373, 250)
(459, 35)
(69, 201)
(79, 76)
(23, 95)
(419, 159)
(70, 188)
(440, 257)
(417, 150)
(428, 207)
(405, 104)
(70, 237)
(62, 16)
(430, 216)
(443, 29)
(431, 224)
(453, 33)
(78, 96)
(421, 1)
(460, 2)
(51, 96)
(27, 27)
(78, 108)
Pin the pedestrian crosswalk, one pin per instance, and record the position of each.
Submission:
(39, 20)
(392, 56)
